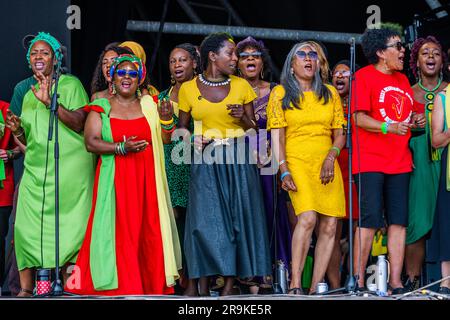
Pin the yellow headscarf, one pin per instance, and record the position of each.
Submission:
(137, 49)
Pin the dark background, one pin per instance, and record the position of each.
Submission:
(103, 22)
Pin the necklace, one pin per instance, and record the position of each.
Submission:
(212, 83)
(430, 94)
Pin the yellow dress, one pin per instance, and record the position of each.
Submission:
(308, 141)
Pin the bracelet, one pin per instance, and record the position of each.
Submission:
(330, 158)
(168, 127)
(384, 127)
(282, 162)
(166, 122)
(168, 130)
(336, 149)
(285, 174)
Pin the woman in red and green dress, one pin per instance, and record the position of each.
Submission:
(131, 245)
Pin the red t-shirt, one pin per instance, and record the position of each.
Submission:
(386, 98)
(6, 143)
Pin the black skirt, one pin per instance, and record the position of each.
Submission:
(225, 231)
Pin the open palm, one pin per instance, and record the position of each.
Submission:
(43, 93)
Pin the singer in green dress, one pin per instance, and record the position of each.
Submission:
(34, 234)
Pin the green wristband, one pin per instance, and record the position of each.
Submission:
(384, 127)
(337, 150)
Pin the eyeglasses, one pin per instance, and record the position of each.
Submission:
(122, 73)
(343, 73)
(255, 54)
(311, 55)
(398, 45)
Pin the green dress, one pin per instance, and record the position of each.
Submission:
(177, 174)
(424, 182)
(35, 226)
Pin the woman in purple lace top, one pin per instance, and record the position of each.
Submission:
(252, 64)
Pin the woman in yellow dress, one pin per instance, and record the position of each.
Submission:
(306, 119)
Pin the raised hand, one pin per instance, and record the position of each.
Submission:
(43, 94)
(165, 110)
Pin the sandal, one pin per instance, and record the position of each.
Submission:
(28, 292)
(296, 291)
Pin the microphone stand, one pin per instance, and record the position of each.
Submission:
(350, 283)
(57, 289)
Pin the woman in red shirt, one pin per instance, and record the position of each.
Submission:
(382, 162)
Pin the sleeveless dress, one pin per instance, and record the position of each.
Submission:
(139, 249)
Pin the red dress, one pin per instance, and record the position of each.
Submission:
(139, 249)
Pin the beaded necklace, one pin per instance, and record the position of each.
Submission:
(211, 83)
(429, 103)
(430, 94)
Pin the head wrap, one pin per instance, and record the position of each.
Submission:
(50, 40)
(250, 42)
(142, 71)
(136, 48)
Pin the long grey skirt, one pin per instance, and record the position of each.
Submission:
(226, 232)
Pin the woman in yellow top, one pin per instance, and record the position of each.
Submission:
(225, 231)
(306, 116)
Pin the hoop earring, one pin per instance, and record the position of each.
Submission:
(114, 91)
(172, 80)
(262, 74)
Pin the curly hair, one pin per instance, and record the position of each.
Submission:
(374, 40)
(99, 82)
(192, 50)
(418, 44)
(250, 42)
(213, 42)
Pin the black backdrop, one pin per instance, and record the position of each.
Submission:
(104, 21)
(22, 17)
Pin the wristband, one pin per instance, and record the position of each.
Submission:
(336, 149)
(384, 127)
(285, 174)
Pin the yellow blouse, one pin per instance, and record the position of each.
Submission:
(212, 120)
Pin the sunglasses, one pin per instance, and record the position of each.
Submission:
(255, 54)
(398, 45)
(311, 55)
(343, 73)
(131, 73)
